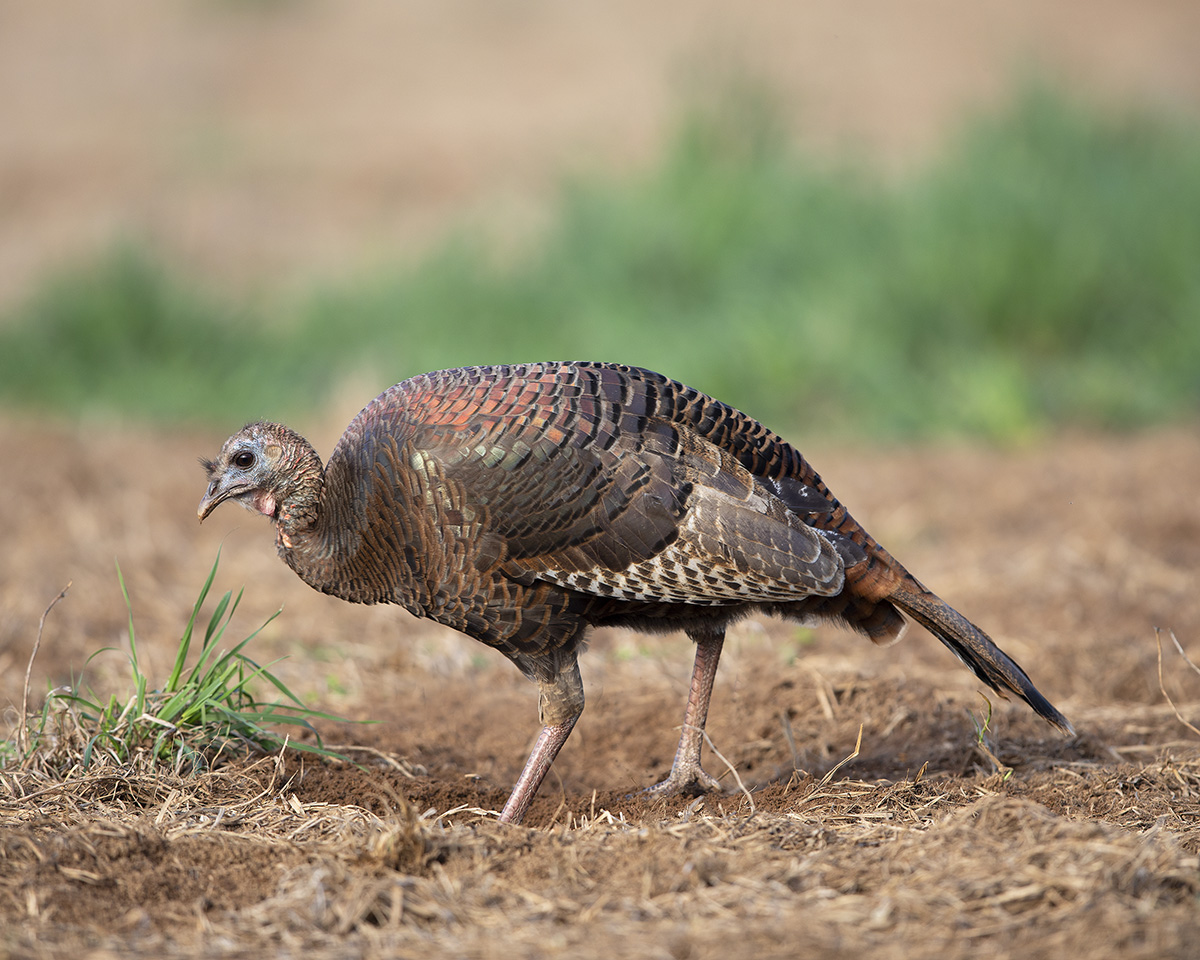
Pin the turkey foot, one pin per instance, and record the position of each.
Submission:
(687, 777)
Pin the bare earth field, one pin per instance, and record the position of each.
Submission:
(1069, 552)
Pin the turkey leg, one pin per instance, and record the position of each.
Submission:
(687, 776)
(559, 706)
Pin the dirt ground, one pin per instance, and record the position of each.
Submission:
(1070, 552)
(264, 143)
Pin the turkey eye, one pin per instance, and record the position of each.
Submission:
(243, 460)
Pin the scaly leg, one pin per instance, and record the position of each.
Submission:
(687, 776)
(559, 706)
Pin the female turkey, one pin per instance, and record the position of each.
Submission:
(521, 504)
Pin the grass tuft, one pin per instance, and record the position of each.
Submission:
(982, 740)
(204, 714)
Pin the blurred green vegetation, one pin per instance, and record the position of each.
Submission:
(1045, 270)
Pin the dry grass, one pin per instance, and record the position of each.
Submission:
(220, 864)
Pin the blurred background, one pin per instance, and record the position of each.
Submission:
(893, 220)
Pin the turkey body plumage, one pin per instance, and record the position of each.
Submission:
(522, 504)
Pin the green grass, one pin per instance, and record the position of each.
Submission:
(1045, 270)
(203, 713)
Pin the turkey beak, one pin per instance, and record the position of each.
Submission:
(213, 498)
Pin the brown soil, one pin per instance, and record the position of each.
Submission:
(1070, 552)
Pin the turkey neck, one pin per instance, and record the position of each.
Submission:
(336, 523)
(301, 512)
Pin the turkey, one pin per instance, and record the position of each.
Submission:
(521, 504)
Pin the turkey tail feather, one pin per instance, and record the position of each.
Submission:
(976, 649)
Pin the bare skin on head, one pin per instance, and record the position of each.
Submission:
(523, 504)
